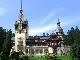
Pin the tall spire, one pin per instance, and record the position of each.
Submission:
(58, 23)
(21, 8)
(21, 17)
(21, 4)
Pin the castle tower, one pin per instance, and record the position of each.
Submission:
(59, 30)
(60, 33)
(21, 32)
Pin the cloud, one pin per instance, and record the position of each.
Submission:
(66, 22)
(51, 14)
(42, 29)
(49, 26)
(3, 11)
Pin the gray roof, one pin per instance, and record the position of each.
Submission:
(35, 37)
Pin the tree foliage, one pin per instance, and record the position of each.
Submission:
(73, 39)
(5, 43)
(18, 56)
(2, 38)
(73, 36)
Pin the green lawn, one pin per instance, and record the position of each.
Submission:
(43, 58)
(65, 57)
(37, 58)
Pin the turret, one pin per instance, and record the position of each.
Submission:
(59, 30)
(60, 33)
(21, 32)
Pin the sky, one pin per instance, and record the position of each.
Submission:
(42, 15)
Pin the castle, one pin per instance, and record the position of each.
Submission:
(37, 45)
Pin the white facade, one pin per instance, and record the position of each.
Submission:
(21, 33)
(50, 50)
(20, 42)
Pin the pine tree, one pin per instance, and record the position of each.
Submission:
(2, 38)
(73, 39)
(7, 46)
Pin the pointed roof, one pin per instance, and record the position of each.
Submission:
(59, 29)
(21, 16)
(21, 10)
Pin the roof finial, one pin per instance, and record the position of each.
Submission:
(21, 8)
(58, 19)
(58, 22)
(21, 4)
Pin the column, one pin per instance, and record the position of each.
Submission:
(34, 52)
(43, 51)
(28, 50)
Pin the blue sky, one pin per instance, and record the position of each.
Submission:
(42, 15)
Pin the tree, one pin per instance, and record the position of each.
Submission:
(73, 39)
(15, 55)
(72, 36)
(2, 38)
(69, 38)
(75, 51)
(7, 45)
(18, 56)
